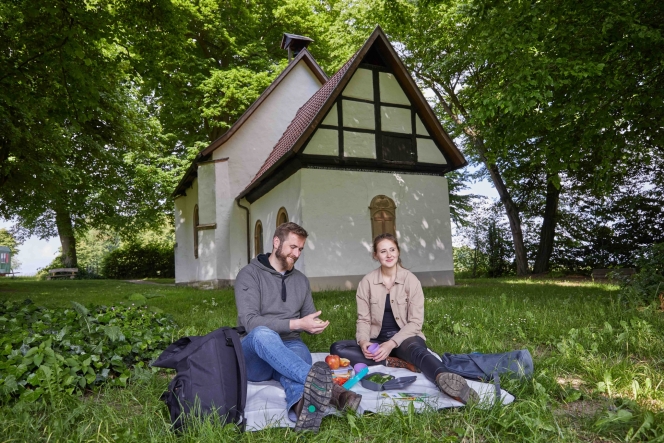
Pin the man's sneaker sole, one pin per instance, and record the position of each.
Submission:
(317, 394)
(456, 386)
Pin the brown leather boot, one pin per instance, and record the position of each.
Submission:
(342, 398)
(394, 362)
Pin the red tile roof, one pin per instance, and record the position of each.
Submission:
(303, 119)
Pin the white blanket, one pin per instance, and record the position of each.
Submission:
(266, 401)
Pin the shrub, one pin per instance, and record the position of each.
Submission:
(648, 283)
(44, 351)
(133, 260)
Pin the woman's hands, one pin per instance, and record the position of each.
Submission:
(384, 350)
(381, 354)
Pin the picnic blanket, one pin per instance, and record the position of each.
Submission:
(266, 401)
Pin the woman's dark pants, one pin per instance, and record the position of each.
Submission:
(413, 350)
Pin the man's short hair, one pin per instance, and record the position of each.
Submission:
(284, 229)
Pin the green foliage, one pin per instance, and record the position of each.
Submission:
(647, 285)
(134, 260)
(48, 351)
(93, 246)
(7, 239)
(594, 356)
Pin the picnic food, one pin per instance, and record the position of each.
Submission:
(380, 378)
(344, 362)
(333, 361)
(318, 320)
(341, 375)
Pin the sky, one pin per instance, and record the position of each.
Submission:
(35, 253)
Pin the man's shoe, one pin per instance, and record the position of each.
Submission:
(394, 362)
(316, 397)
(456, 386)
(342, 398)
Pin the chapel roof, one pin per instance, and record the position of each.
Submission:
(305, 56)
(312, 112)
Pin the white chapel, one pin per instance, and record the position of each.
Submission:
(346, 157)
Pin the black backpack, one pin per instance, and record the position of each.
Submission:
(211, 377)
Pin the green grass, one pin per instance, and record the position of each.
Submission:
(599, 366)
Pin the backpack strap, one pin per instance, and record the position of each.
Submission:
(233, 339)
(496, 385)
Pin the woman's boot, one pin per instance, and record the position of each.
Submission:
(342, 398)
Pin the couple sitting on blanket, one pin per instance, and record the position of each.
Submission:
(274, 304)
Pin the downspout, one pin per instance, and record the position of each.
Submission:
(248, 230)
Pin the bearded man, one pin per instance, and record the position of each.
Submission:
(275, 305)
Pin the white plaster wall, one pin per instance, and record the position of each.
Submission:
(332, 117)
(323, 142)
(186, 266)
(335, 212)
(207, 214)
(359, 144)
(419, 127)
(396, 120)
(358, 115)
(428, 152)
(390, 90)
(237, 239)
(360, 85)
(265, 209)
(250, 146)
(224, 209)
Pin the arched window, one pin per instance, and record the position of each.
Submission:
(383, 216)
(282, 216)
(196, 231)
(258, 238)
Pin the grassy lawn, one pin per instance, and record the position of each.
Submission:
(599, 366)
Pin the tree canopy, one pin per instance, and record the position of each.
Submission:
(104, 103)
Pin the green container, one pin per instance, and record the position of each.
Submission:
(5, 260)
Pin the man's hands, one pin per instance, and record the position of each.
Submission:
(381, 354)
(311, 323)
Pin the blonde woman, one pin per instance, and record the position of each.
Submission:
(390, 312)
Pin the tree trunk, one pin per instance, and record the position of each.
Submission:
(510, 209)
(67, 239)
(548, 232)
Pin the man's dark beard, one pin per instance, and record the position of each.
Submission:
(283, 259)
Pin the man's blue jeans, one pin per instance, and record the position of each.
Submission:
(268, 357)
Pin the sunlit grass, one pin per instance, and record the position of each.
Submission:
(598, 366)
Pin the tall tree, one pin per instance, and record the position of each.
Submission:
(538, 89)
(77, 147)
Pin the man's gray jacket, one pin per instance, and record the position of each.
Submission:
(259, 301)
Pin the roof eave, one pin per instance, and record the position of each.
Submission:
(305, 56)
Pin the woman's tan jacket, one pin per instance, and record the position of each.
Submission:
(406, 298)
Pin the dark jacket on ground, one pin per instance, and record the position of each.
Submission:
(258, 297)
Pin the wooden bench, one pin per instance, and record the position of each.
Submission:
(605, 274)
(62, 273)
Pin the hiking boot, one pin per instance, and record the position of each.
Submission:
(315, 398)
(455, 386)
(342, 398)
(395, 362)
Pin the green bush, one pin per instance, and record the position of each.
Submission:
(646, 285)
(134, 260)
(46, 351)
